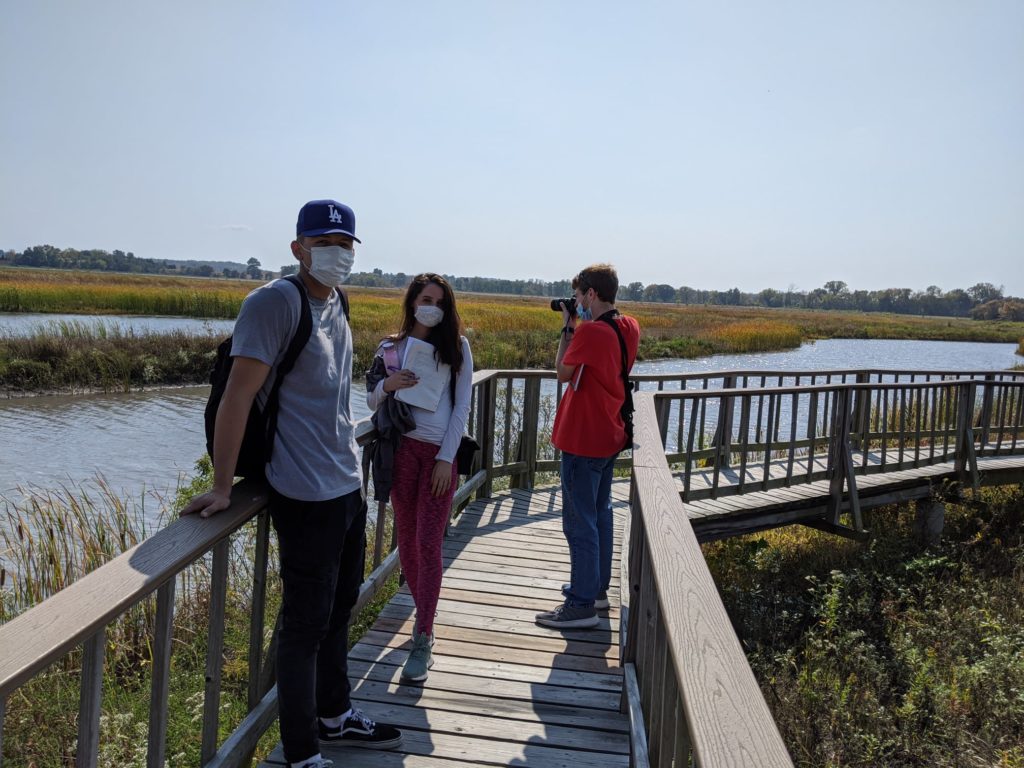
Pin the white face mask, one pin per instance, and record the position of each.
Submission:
(429, 315)
(330, 264)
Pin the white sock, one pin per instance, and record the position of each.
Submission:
(335, 722)
(307, 761)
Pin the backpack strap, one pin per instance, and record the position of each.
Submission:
(627, 402)
(609, 318)
(298, 342)
(343, 296)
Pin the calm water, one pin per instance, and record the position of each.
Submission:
(147, 441)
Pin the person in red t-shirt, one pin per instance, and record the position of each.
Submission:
(589, 432)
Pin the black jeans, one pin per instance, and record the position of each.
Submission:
(323, 548)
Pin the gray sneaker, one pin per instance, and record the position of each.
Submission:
(566, 616)
(601, 603)
(420, 658)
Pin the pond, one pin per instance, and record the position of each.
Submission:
(149, 441)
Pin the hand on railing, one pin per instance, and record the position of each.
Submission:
(206, 504)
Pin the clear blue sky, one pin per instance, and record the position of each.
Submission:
(749, 144)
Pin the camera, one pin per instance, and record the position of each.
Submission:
(570, 304)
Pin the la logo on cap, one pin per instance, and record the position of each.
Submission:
(335, 216)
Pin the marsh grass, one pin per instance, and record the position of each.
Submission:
(505, 331)
(49, 540)
(76, 356)
(888, 654)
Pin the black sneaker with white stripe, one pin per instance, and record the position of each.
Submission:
(358, 730)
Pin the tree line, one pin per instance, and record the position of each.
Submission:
(982, 301)
(51, 257)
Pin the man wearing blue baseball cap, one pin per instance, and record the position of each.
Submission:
(316, 498)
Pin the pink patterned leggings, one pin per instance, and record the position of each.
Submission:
(420, 519)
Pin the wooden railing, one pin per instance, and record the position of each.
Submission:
(687, 678)
(695, 693)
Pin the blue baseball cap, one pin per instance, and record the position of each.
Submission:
(326, 217)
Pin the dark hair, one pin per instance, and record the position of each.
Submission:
(446, 336)
(602, 278)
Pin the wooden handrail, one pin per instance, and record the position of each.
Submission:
(679, 630)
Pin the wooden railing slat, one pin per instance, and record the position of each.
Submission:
(259, 605)
(215, 648)
(160, 682)
(90, 701)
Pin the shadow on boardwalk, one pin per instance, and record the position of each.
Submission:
(502, 691)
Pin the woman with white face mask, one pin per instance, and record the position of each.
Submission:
(424, 476)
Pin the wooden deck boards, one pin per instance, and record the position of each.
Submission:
(502, 691)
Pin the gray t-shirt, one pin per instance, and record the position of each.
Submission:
(315, 454)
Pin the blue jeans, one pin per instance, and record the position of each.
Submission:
(587, 525)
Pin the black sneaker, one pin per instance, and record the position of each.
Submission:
(600, 602)
(360, 731)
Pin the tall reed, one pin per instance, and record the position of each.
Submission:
(48, 539)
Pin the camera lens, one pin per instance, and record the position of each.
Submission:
(570, 304)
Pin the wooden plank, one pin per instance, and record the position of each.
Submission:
(471, 751)
(480, 725)
(524, 616)
(491, 652)
(493, 670)
(551, 644)
(475, 701)
(459, 682)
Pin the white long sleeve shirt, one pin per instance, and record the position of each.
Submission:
(443, 427)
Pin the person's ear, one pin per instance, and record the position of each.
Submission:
(297, 250)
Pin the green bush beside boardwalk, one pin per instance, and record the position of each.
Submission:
(888, 654)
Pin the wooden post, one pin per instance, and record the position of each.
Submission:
(485, 433)
(160, 683)
(87, 753)
(966, 462)
(723, 433)
(986, 408)
(531, 415)
(861, 412)
(215, 649)
(836, 462)
(378, 539)
(259, 602)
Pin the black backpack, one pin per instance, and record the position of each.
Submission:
(626, 411)
(258, 441)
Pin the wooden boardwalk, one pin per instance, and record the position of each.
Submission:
(503, 691)
(731, 513)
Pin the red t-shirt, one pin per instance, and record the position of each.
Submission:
(588, 422)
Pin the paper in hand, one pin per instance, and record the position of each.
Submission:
(432, 376)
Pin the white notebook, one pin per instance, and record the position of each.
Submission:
(432, 375)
